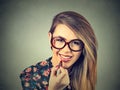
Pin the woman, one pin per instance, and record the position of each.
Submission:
(74, 60)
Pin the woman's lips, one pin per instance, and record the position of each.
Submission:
(65, 58)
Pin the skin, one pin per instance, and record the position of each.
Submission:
(67, 56)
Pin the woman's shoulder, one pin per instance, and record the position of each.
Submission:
(38, 69)
(36, 76)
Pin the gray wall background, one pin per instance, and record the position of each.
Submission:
(24, 26)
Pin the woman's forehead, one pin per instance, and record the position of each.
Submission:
(64, 31)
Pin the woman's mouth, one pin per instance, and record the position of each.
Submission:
(65, 58)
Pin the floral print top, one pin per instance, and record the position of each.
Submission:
(36, 77)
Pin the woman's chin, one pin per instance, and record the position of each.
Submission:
(65, 65)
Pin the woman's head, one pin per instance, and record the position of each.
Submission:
(79, 26)
(70, 25)
(66, 46)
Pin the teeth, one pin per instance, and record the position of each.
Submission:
(65, 57)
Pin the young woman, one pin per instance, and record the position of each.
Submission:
(74, 59)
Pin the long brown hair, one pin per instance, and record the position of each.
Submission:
(83, 72)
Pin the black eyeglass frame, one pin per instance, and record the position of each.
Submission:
(68, 43)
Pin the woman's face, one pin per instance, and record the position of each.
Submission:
(66, 55)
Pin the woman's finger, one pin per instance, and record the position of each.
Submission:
(61, 73)
(53, 71)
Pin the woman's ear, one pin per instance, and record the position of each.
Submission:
(49, 36)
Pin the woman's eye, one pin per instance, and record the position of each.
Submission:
(76, 43)
(60, 40)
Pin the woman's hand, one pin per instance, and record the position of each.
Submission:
(58, 81)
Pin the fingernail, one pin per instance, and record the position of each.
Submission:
(56, 67)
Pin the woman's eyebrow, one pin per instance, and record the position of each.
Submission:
(64, 38)
(61, 37)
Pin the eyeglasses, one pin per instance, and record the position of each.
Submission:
(74, 45)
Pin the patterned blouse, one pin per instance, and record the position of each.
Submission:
(36, 77)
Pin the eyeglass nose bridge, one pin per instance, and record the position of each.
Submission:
(68, 44)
